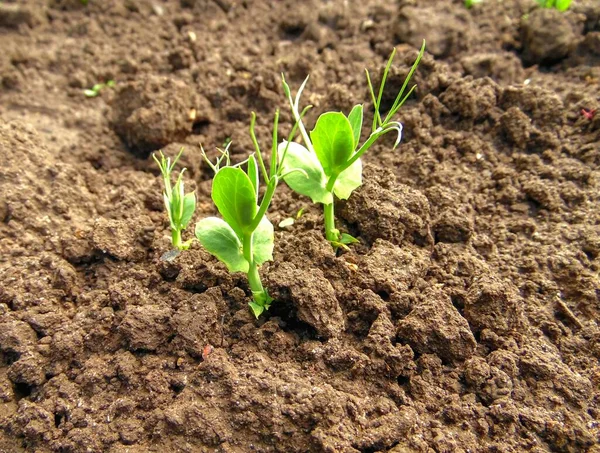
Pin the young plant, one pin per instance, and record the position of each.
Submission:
(95, 90)
(243, 238)
(180, 206)
(561, 5)
(470, 3)
(331, 155)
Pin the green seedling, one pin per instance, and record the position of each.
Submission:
(470, 3)
(95, 90)
(331, 154)
(561, 5)
(180, 206)
(243, 238)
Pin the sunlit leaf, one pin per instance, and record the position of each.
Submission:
(348, 180)
(234, 196)
(333, 140)
(189, 206)
(253, 174)
(263, 241)
(312, 186)
(219, 239)
(356, 118)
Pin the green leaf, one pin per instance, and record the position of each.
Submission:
(257, 310)
(253, 174)
(234, 196)
(345, 239)
(356, 118)
(333, 140)
(263, 241)
(189, 206)
(168, 207)
(563, 5)
(90, 93)
(219, 239)
(313, 186)
(348, 180)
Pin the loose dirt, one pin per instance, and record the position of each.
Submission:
(466, 320)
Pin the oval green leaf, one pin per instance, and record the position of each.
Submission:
(189, 206)
(312, 186)
(333, 140)
(348, 181)
(356, 119)
(263, 240)
(253, 174)
(234, 196)
(219, 239)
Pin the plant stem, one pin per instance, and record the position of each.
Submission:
(258, 291)
(330, 232)
(176, 238)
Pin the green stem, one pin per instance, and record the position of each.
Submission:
(176, 238)
(264, 204)
(260, 296)
(331, 233)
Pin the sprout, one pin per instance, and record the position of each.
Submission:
(243, 238)
(330, 156)
(180, 206)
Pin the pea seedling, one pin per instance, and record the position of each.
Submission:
(470, 3)
(95, 90)
(330, 157)
(180, 206)
(243, 239)
(561, 5)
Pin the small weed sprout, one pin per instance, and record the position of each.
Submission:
(95, 90)
(561, 5)
(243, 238)
(331, 153)
(470, 3)
(180, 206)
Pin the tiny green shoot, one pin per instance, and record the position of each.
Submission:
(470, 3)
(561, 5)
(95, 90)
(180, 206)
(243, 238)
(331, 155)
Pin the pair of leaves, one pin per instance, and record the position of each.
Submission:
(180, 207)
(220, 240)
(235, 194)
(561, 5)
(334, 140)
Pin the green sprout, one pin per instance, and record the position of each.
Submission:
(244, 238)
(330, 157)
(95, 90)
(180, 206)
(470, 3)
(561, 5)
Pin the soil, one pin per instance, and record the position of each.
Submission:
(465, 320)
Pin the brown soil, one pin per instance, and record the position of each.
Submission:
(466, 320)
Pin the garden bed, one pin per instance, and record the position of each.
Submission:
(466, 319)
